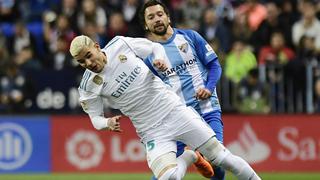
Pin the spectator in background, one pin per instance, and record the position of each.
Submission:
(61, 59)
(288, 16)
(252, 94)
(213, 28)
(92, 11)
(271, 24)
(4, 53)
(117, 26)
(130, 11)
(215, 44)
(176, 14)
(224, 10)
(274, 58)
(296, 69)
(111, 6)
(308, 25)
(191, 13)
(58, 27)
(9, 11)
(20, 39)
(240, 28)
(26, 60)
(34, 9)
(254, 11)
(91, 30)
(277, 53)
(70, 9)
(307, 50)
(239, 62)
(15, 90)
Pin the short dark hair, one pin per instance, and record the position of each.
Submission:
(148, 4)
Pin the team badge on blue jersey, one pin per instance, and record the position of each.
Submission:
(122, 58)
(97, 79)
(183, 47)
(209, 49)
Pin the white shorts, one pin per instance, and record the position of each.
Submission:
(182, 124)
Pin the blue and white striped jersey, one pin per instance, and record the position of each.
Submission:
(187, 55)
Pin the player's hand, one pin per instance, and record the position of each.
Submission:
(160, 64)
(203, 94)
(114, 124)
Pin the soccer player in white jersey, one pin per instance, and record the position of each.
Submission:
(191, 68)
(117, 72)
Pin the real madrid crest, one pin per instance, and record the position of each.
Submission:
(97, 79)
(122, 58)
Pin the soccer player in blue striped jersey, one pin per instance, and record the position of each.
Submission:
(191, 68)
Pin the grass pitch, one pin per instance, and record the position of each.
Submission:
(144, 176)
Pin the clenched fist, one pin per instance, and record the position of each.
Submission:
(160, 64)
(203, 94)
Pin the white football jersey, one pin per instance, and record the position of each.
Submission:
(128, 84)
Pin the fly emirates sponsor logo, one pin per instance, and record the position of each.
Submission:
(125, 80)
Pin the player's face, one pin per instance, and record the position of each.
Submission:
(92, 58)
(157, 21)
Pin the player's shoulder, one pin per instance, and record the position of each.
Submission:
(188, 32)
(113, 41)
(90, 81)
(120, 40)
(85, 79)
(123, 38)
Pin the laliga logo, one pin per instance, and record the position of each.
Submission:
(84, 149)
(15, 146)
(249, 146)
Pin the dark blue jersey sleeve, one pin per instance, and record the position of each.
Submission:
(214, 74)
(208, 57)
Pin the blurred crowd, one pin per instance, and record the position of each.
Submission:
(269, 49)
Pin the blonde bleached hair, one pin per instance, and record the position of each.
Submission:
(78, 43)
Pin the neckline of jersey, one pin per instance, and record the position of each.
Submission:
(171, 38)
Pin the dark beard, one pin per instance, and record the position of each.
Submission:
(161, 33)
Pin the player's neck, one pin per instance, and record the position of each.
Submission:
(165, 37)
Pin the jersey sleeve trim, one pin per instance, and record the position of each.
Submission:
(84, 81)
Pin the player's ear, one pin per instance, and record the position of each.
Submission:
(146, 28)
